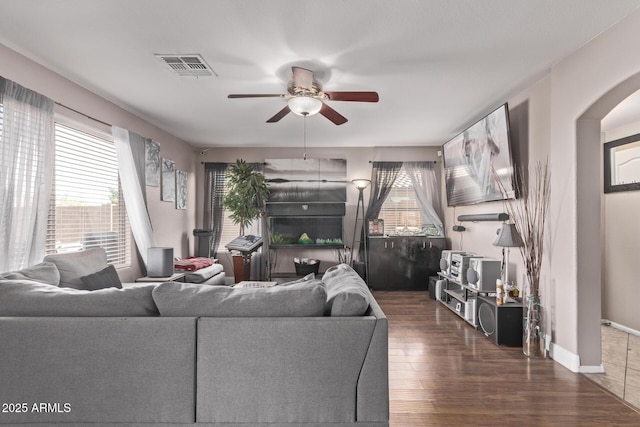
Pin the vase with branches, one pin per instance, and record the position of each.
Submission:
(529, 214)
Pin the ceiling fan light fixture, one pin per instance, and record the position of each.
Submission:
(305, 105)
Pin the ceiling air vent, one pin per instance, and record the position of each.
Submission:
(188, 65)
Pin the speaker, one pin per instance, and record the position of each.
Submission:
(484, 217)
(203, 242)
(440, 287)
(482, 274)
(502, 324)
(432, 286)
(160, 262)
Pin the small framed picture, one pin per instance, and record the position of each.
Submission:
(376, 227)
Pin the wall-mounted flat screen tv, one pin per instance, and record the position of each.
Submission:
(475, 159)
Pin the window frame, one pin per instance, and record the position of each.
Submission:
(124, 241)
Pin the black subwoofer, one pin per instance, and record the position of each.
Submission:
(502, 324)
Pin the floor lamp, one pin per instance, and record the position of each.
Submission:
(360, 184)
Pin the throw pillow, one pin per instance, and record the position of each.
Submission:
(30, 298)
(347, 293)
(107, 278)
(45, 272)
(74, 265)
(203, 274)
(191, 299)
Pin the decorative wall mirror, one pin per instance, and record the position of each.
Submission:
(622, 164)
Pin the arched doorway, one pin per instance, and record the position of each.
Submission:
(589, 218)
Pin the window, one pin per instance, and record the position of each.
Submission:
(400, 210)
(87, 208)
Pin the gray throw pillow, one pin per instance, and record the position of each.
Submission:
(347, 293)
(191, 299)
(75, 265)
(202, 275)
(29, 298)
(45, 272)
(107, 278)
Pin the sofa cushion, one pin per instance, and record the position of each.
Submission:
(45, 272)
(190, 299)
(30, 298)
(75, 265)
(347, 293)
(106, 278)
(199, 276)
(310, 276)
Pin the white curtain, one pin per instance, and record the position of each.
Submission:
(425, 183)
(26, 166)
(128, 148)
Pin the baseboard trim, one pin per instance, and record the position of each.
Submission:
(596, 369)
(571, 361)
(621, 327)
(564, 357)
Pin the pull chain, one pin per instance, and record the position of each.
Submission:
(304, 137)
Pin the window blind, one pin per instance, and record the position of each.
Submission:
(87, 208)
(400, 210)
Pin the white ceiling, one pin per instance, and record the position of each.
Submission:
(438, 65)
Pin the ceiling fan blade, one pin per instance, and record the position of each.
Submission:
(302, 77)
(332, 115)
(256, 95)
(280, 114)
(353, 96)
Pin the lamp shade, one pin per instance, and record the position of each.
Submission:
(361, 183)
(508, 237)
(305, 105)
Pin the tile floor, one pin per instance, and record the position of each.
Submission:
(621, 360)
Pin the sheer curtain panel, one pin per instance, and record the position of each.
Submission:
(130, 151)
(383, 175)
(425, 183)
(26, 166)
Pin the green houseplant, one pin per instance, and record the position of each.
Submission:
(247, 191)
(246, 195)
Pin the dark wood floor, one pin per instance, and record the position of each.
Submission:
(443, 372)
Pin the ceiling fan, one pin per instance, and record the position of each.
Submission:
(306, 98)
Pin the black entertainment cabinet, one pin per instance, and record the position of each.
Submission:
(403, 262)
(502, 324)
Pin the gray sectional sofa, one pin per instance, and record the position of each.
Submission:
(308, 353)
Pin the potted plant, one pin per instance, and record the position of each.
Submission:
(247, 191)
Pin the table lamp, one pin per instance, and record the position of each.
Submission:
(508, 237)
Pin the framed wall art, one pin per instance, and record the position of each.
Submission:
(181, 189)
(152, 163)
(476, 158)
(168, 193)
(622, 164)
(376, 227)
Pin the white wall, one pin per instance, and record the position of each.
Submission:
(358, 166)
(621, 236)
(585, 87)
(529, 126)
(565, 110)
(171, 227)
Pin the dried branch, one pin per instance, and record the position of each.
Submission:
(529, 214)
